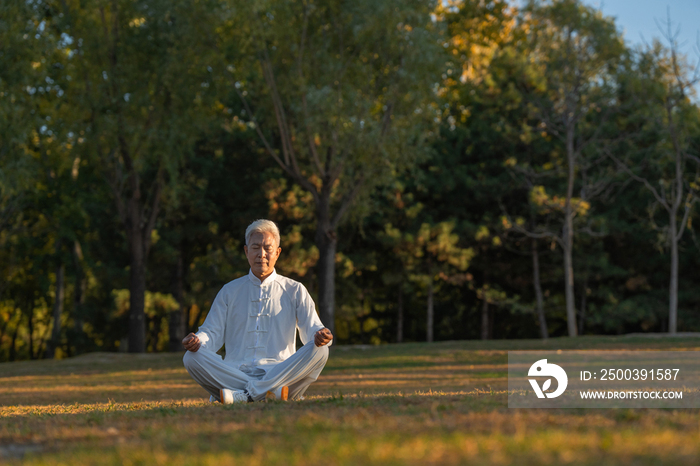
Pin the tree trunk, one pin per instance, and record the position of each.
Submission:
(79, 289)
(327, 243)
(13, 344)
(569, 283)
(538, 290)
(138, 228)
(196, 319)
(137, 287)
(176, 319)
(326, 282)
(485, 319)
(568, 233)
(582, 313)
(30, 319)
(188, 318)
(429, 323)
(673, 285)
(43, 340)
(57, 308)
(399, 323)
(154, 325)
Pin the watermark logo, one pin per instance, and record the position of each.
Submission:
(543, 369)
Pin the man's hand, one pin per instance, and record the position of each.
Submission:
(323, 337)
(191, 342)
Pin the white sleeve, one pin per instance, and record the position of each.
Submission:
(308, 321)
(211, 333)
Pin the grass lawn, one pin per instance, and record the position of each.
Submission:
(441, 403)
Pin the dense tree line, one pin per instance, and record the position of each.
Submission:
(438, 171)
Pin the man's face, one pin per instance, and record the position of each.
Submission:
(262, 252)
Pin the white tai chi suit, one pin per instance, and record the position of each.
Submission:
(257, 322)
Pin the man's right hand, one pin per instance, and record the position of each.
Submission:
(191, 342)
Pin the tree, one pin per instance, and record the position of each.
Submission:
(142, 103)
(340, 95)
(577, 50)
(429, 255)
(16, 120)
(662, 157)
(528, 161)
(490, 124)
(36, 163)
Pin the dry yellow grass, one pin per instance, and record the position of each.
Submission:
(397, 404)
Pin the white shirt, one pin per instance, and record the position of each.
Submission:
(258, 321)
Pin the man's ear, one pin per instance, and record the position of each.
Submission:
(245, 249)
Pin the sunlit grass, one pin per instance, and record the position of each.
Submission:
(442, 403)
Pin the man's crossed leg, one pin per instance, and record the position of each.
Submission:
(297, 372)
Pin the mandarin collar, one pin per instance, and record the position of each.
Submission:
(256, 281)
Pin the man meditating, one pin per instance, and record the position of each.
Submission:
(256, 317)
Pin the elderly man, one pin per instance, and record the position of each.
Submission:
(256, 317)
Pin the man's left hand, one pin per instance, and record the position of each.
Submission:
(323, 337)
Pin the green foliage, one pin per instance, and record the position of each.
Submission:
(346, 87)
(434, 135)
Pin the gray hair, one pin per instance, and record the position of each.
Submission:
(261, 226)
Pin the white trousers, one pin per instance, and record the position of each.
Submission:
(297, 372)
